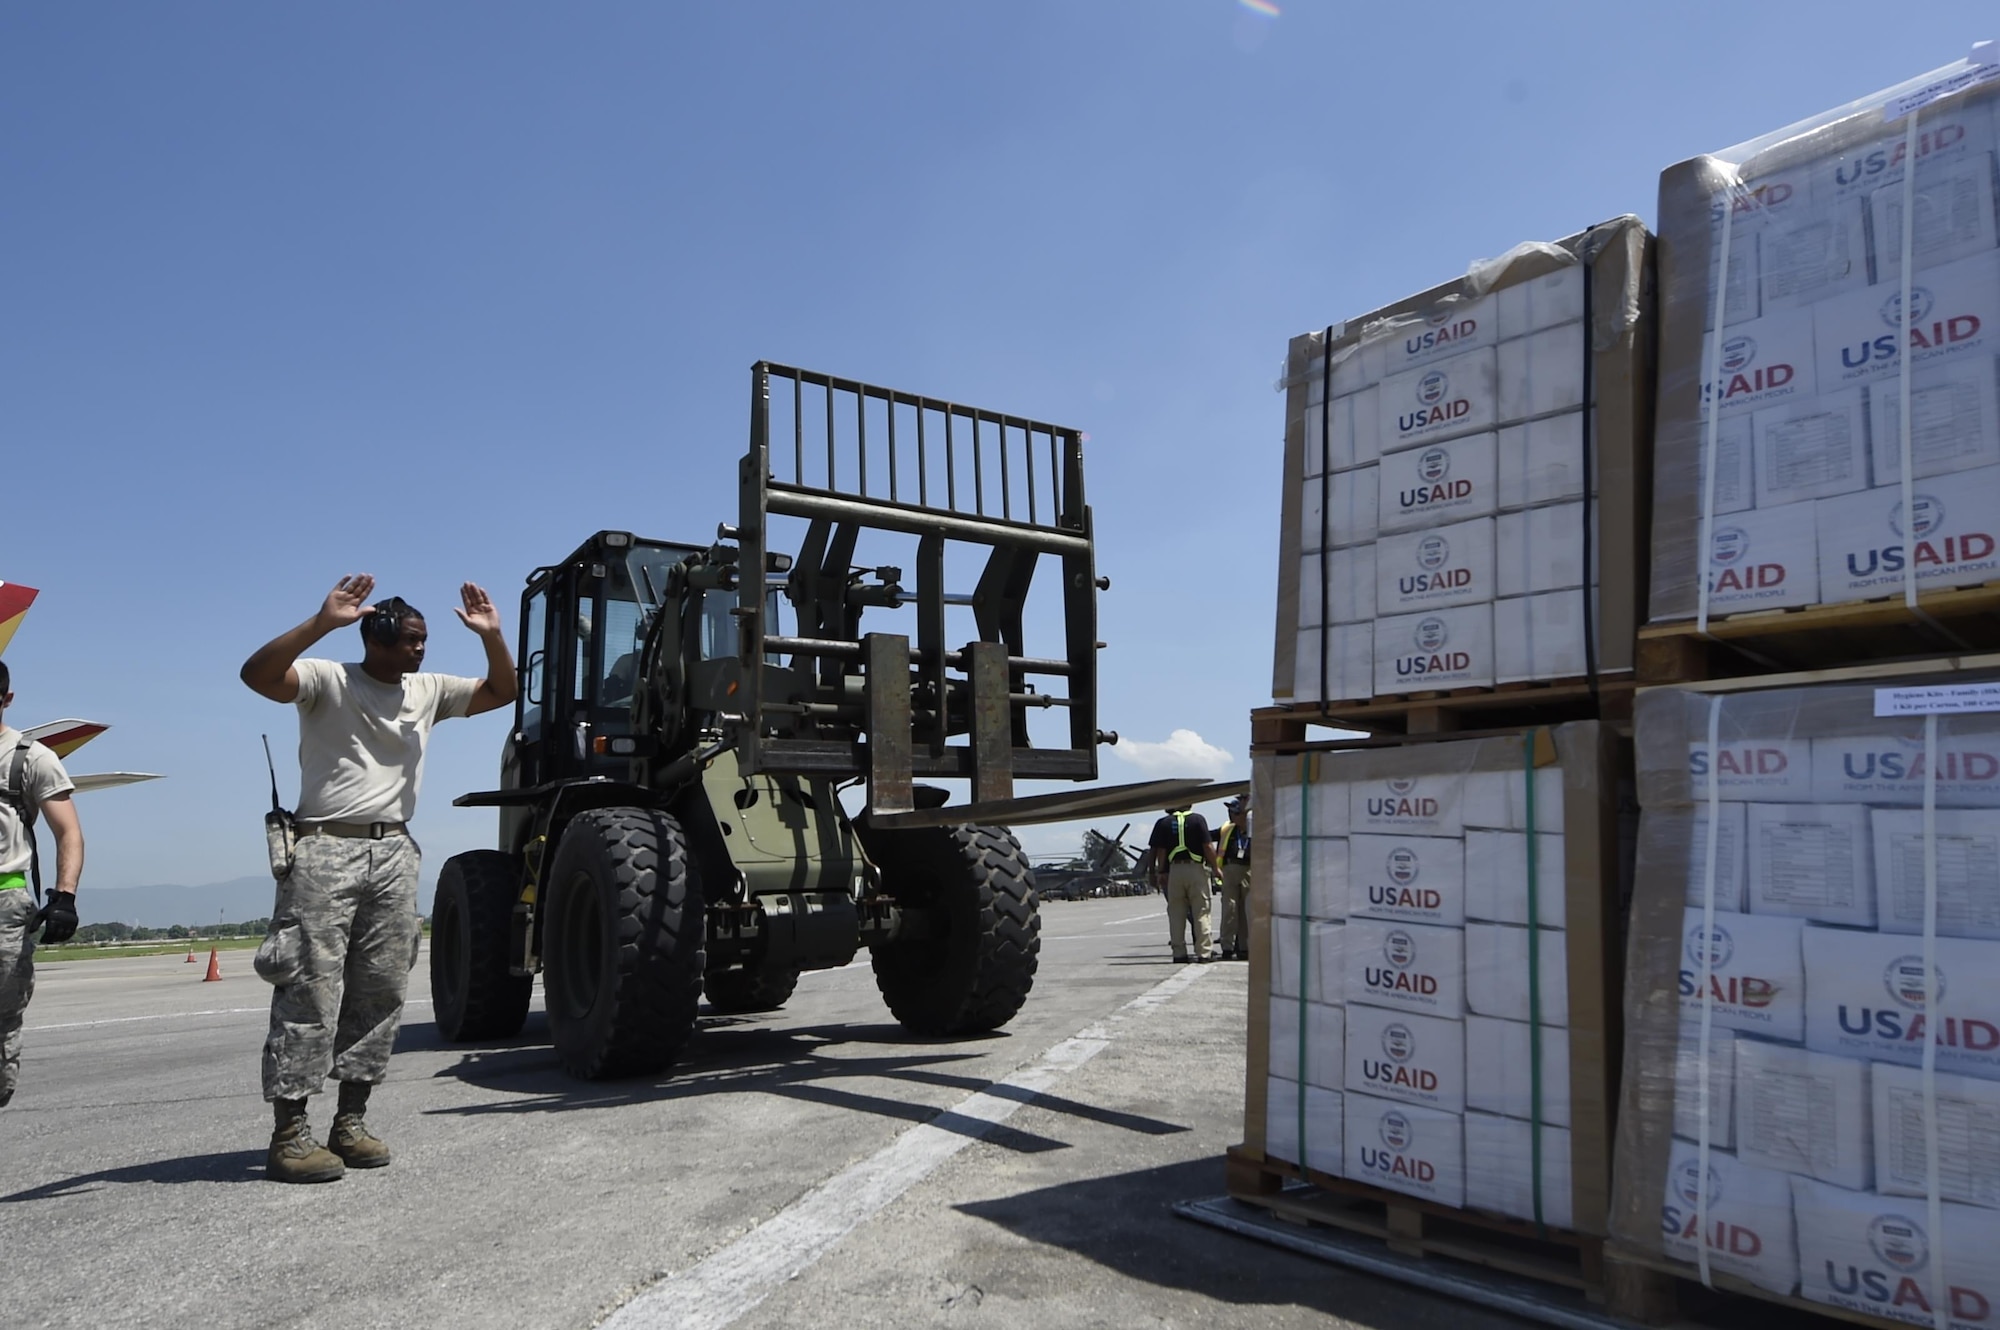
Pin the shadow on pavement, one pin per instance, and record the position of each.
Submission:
(235, 1166)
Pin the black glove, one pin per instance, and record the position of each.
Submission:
(58, 918)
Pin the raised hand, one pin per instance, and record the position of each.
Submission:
(479, 613)
(348, 601)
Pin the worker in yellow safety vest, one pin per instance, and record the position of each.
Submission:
(1233, 851)
(1183, 858)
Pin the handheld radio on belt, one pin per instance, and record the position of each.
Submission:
(281, 831)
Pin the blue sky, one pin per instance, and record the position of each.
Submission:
(434, 291)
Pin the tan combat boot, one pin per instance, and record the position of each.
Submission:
(350, 1138)
(295, 1156)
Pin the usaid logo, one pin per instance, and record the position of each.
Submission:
(1686, 1183)
(1730, 544)
(1396, 1131)
(1920, 307)
(1398, 1043)
(1899, 1243)
(1431, 634)
(1402, 785)
(1402, 865)
(1431, 388)
(1433, 553)
(1926, 512)
(1434, 465)
(1904, 982)
(1399, 948)
(1737, 353)
(1716, 944)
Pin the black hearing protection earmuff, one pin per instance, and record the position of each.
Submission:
(385, 625)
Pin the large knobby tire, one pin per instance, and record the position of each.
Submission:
(623, 944)
(974, 969)
(741, 991)
(472, 993)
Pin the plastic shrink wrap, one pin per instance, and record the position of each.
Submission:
(1811, 910)
(1402, 1035)
(1801, 374)
(1459, 468)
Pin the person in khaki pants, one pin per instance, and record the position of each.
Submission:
(1233, 850)
(1183, 859)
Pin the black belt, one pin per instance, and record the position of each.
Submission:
(353, 830)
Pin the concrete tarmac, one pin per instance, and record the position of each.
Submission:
(815, 1166)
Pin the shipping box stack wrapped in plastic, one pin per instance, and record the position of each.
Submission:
(1434, 1002)
(1830, 293)
(1459, 466)
(1811, 1097)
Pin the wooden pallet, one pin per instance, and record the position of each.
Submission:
(1412, 1227)
(1284, 726)
(1965, 621)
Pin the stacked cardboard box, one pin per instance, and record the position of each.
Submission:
(1459, 468)
(1404, 1028)
(1777, 921)
(1788, 374)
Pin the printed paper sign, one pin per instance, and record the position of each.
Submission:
(1937, 699)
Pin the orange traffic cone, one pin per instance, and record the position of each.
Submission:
(190, 959)
(214, 974)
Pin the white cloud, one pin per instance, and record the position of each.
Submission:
(1184, 753)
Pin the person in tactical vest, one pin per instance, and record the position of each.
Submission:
(33, 785)
(1183, 857)
(344, 932)
(1233, 851)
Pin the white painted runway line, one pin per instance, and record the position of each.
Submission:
(723, 1288)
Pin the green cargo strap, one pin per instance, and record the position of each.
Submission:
(1534, 989)
(13, 881)
(1305, 937)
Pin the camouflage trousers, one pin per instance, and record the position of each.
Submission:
(17, 978)
(338, 956)
(1235, 924)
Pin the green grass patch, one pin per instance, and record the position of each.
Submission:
(105, 951)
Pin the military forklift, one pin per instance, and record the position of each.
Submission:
(671, 826)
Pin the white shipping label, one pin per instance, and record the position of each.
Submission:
(1541, 461)
(1735, 479)
(1771, 770)
(1812, 861)
(1500, 1170)
(1541, 302)
(1953, 216)
(1731, 859)
(1500, 1069)
(1954, 313)
(1889, 769)
(1803, 1112)
(1966, 849)
(1353, 424)
(1420, 879)
(1740, 303)
(1542, 373)
(1409, 1058)
(1721, 1087)
(1350, 671)
(1496, 878)
(1449, 330)
(1764, 362)
(1405, 1148)
(1876, 1255)
(1765, 559)
(1539, 550)
(1756, 974)
(1285, 1102)
(1411, 967)
(1749, 1230)
(1320, 1057)
(1324, 963)
(1440, 401)
(1866, 999)
(1350, 586)
(1349, 500)
(1498, 800)
(1315, 878)
(1968, 1118)
(1435, 569)
(1410, 805)
(1441, 649)
(1953, 418)
(1812, 256)
(1862, 547)
(1439, 483)
(1539, 637)
(1499, 982)
(1811, 448)
(1322, 812)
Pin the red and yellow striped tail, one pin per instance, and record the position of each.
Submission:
(14, 602)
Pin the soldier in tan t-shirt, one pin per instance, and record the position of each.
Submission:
(343, 934)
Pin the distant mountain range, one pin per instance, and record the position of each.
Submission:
(230, 902)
